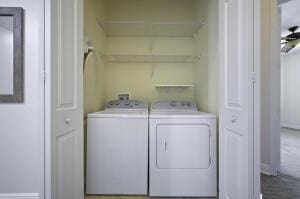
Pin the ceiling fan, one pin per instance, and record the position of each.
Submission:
(291, 40)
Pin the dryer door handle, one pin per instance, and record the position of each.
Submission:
(166, 145)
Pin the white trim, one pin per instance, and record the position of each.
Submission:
(47, 18)
(275, 60)
(42, 109)
(257, 96)
(20, 196)
(290, 126)
(265, 169)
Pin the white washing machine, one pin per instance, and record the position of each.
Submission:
(182, 158)
(117, 149)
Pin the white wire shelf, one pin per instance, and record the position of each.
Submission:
(151, 58)
(175, 87)
(146, 28)
(168, 86)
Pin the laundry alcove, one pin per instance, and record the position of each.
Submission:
(153, 50)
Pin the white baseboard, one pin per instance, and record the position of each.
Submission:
(265, 169)
(291, 126)
(19, 196)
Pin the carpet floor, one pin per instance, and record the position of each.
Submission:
(279, 187)
(290, 152)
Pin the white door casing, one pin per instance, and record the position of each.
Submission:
(275, 69)
(64, 99)
(238, 159)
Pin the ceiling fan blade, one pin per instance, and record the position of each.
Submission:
(290, 45)
(290, 39)
(287, 48)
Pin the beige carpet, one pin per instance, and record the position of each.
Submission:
(290, 152)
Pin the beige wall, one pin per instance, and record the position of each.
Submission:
(95, 68)
(150, 10)
(206, 74)
(140, 79)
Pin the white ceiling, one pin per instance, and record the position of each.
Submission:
(290, 14)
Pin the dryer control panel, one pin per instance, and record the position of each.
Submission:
(127, 104)
(174, 105)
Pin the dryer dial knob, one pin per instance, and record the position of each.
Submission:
(173, 103)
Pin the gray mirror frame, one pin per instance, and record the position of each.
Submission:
(18, 76)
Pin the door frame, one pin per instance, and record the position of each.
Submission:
(272, 63)
(256, 100)
(275, 112)
(47, 108)
(275, 138)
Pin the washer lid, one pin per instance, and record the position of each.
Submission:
(126, 105)
(138, 114)
(178, 106)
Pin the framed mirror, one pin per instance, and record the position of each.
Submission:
(11, 55)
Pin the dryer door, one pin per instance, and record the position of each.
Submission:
(183, 146)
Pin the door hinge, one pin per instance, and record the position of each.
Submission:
(253, 77)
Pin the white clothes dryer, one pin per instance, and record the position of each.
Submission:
(182, 160)
(117, 149)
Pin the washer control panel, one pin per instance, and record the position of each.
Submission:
(174, 105)
(127, 104)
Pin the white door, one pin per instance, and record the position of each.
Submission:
(238, 61)
(66, 83)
